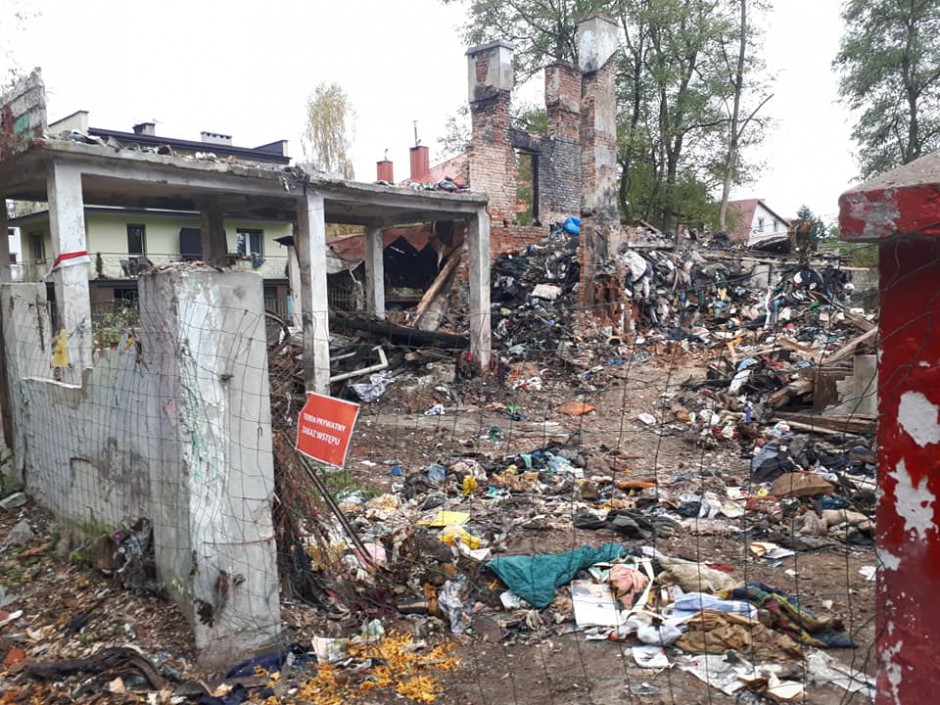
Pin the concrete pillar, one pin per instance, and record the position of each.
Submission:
(73, 303)
(6, 271)
(900, 211)
(865, 380)
(315, 309)
(375, 272)
(478, 249)
(203, 338)
(214, 240)
(492, 163)
(293, 272)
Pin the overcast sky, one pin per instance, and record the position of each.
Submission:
(246, 69)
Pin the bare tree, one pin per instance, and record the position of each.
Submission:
(327, 140)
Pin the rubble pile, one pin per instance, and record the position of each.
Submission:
(686, 514)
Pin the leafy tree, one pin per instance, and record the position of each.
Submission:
(456, 137)
(672, 87)
(737, 71)
(326, 140)
(808, 222)
(889, 62)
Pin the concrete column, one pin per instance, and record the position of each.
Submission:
(478, 248)
(293, 272)
(375, 272)
(214, 240)
(203, 338)
(73, 303)
(315, 310)
(6, 271)
(900, 211)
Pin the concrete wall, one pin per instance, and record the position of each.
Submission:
(176, 429)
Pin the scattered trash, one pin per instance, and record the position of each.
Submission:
(13, 501)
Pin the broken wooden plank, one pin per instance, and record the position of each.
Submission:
(850, 347)
(796, 388)
(804, 350)
(863, 324)
(834, 424)
(439, 285)
(402, 335)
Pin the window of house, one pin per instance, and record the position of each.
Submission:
(136, 239)
(249, 241)
(37, 247)
(760, 225)
(12, 258)
(190, 244)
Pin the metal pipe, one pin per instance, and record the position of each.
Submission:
(365, 370)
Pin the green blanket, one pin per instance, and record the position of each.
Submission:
(534, 578)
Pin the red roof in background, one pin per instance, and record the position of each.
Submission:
(351, 249)
(745, 209)
(457, 168)
(745, 216)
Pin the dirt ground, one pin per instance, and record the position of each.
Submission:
(560, 666)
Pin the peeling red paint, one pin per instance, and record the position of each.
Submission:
(909, 626)
(878, 214)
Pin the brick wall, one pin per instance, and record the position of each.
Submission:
(559, 169)
(492, 160)
(563, 101)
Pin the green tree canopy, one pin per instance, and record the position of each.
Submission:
(682, 89)
(889, 62)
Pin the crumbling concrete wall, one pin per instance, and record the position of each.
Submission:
(77, 447)
(174, 427)
(214, 478)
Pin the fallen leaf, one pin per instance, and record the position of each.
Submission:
(575, 408)
(15, 655)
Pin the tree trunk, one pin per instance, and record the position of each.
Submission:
(733, 135)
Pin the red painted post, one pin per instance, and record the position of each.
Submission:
(900, 210)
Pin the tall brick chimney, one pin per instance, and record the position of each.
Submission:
(597, 47)
(563, 100)
(384, 171)
(420, 164)
(492, 159)
(560, 195)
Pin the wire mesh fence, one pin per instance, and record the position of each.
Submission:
(666, 498)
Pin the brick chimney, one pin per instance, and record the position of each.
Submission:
(492, 159)
(384, 171)
(597, 46)
(563, 100)
(145, 128)
(420, 164)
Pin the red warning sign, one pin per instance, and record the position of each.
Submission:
(325, 428)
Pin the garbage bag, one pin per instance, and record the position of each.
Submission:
(572, 225)
(534, 578)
